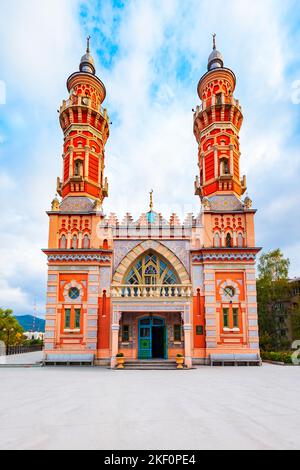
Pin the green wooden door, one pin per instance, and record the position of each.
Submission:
(145, 338)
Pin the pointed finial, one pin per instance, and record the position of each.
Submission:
(214, 41)
(88, 44)
(151, 199)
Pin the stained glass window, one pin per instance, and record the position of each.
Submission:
(67, 318)
(235, 312)
(150, 269)
(226, 317)
(77, 318)
(74, 293)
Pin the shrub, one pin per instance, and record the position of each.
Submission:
(285, 357)
(120, 355)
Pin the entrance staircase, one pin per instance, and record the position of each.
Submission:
(150, 364)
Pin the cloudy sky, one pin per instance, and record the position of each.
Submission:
(150, 54)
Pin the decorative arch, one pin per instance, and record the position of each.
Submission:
(63, 241)
(240, 240)
(86, 241)
(66, 291)
(217, 239)
(150, 245)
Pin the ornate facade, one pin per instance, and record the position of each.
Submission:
(151, 288)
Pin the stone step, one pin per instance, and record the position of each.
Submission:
(149, 368)
(150, 364)
(149, 361)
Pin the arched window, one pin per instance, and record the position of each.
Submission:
(78, 168)
(228, 241)
(63, 242)
(217, 240)
(86, 241)
(150, 269)
(74, 242)
(240, 240)
(224, 170)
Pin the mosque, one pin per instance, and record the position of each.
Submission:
(151, 288)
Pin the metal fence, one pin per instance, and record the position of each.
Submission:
(12, 350)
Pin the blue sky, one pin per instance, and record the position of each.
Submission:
(150, 54)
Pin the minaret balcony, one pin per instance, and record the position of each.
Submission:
(85, 102)
(214, 100)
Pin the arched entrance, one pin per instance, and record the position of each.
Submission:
(152, 340)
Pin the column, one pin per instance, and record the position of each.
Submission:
(71, 151)
(86, 162)
(216, 161)
(231, 147)
(203, 168)
(187, 345)
(187, 328)
(115, 328)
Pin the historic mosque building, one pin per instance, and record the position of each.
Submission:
(151, 288)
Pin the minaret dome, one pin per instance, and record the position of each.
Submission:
(87, 64)
(215, 59)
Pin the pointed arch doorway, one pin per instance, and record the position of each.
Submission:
(152, 340)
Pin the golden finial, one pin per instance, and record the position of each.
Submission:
(214, 41)
(88, 44)
(151, 199)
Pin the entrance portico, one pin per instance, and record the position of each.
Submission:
(148, 317)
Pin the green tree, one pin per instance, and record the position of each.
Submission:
(273, 267)
(10, 330)
(272, 286)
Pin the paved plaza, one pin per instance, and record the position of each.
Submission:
(22, 359)
(204, 408)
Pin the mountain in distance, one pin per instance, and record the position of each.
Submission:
(31, 323)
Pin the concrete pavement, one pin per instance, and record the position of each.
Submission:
(205, 408)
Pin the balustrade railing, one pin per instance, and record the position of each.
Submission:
(146, 290)
(13, 350)
(82, 101)
(213, 101)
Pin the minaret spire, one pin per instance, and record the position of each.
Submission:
(88, 44)
(151, 200)
(214, 41)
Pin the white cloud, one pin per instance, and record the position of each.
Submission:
(13, 297)
(41, 45)
(150, 96)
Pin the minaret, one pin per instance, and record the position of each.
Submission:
(79, 251)
(85, 125)
(226, 251)
(217, 123)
